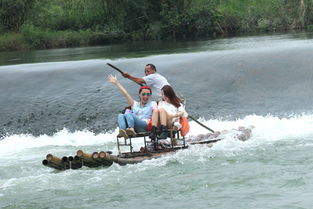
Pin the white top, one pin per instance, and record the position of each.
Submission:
(171, 109)
(156, 82)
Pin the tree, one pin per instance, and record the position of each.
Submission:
(14, 13)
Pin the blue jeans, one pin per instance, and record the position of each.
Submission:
(131, 120)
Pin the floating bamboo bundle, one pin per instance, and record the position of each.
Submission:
(87, 159)
(111, 158)
(45, 162)
(96, 158)
(55, 162)
(65, 162)
(75, 162)
(102, 157)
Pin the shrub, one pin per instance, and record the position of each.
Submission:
(12, 42)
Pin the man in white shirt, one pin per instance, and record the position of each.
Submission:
(152, 79)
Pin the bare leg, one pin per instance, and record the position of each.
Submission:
(163, 121)
(169, 122)
(155, 117)
(163, 116)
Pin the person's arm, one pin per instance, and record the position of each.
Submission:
(181, 111)
(113, 79)
(133, 78)
(179, 114)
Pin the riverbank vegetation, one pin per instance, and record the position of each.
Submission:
(42, 24)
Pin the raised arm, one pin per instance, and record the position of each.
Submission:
(133, 78)
(113, 79)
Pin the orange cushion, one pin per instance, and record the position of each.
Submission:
(185, 126)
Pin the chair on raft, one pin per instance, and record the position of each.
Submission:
(173, 134)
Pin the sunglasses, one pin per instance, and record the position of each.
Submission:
(146, 94)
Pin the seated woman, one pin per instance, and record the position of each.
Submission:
(138, 118)
(169, 111)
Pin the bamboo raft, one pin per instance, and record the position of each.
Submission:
(106, 158)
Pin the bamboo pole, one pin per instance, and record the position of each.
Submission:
(64, 159)
(102, 154)
(105, 158)
(87, 159)
(112, 158)
(75, 163)
(83, 155)
(45, 162)
(95, 157)
(53, 160)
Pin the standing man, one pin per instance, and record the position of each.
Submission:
(152, 79)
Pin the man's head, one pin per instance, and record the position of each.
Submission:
(149, 69)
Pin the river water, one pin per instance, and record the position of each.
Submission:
(58, 101)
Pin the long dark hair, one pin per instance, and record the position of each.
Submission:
(169, 92)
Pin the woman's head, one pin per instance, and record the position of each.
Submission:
(169, 96)
(145, 93)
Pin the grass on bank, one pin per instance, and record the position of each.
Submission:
(34, 38)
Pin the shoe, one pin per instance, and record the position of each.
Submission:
(164, 132)
(152, 135)
(164, 144)
(123, 133)
(131, 132)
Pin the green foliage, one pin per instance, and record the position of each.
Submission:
(32, 37)
(12, 42)
(13, 13)
(310, 28)
(264, 15)
(181, 19)
(35, 37)
(68, 23)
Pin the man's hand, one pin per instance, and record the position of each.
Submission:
(126, 75)
(133, 78)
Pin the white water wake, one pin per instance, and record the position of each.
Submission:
(268, 129)
(22, 154)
